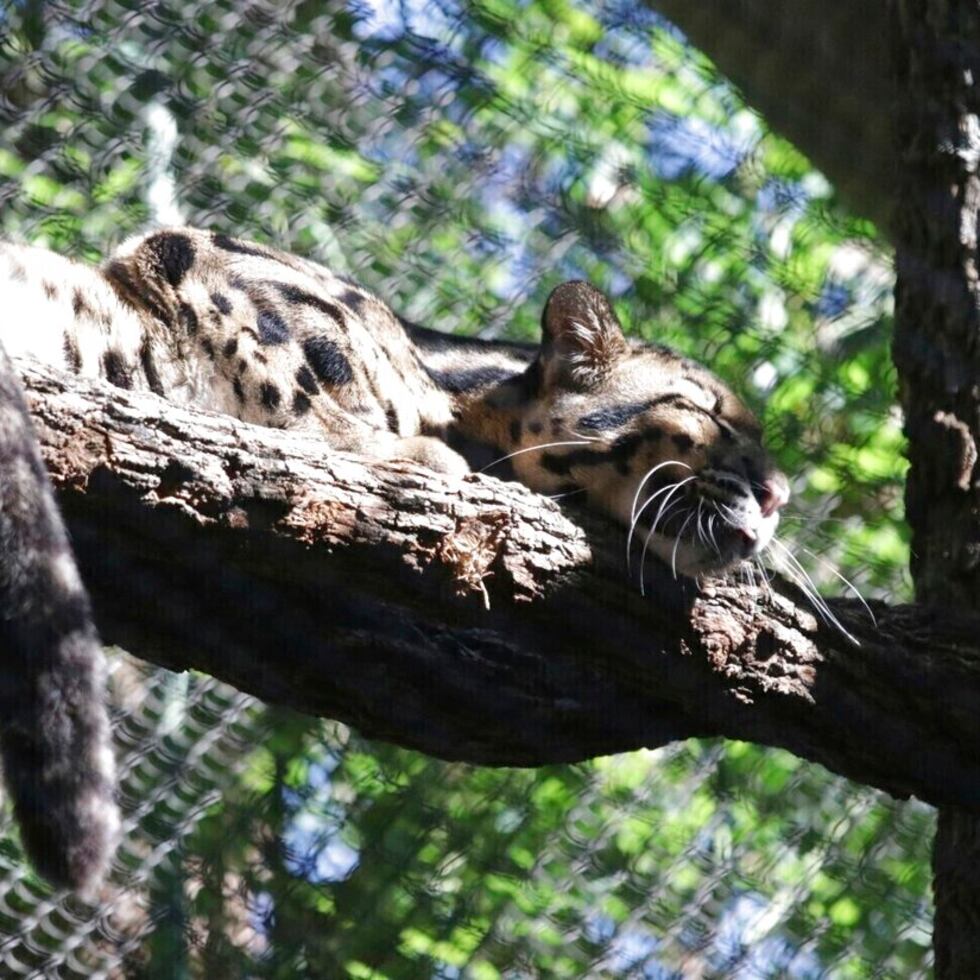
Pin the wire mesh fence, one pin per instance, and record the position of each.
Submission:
(460, 160)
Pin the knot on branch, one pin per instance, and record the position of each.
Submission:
(316, 519)
(470, 549)
(961, 448)
(753, 654)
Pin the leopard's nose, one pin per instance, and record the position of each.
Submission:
(773, 495)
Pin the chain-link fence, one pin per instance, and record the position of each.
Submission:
(460, 160)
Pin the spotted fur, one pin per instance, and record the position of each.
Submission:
(209, 321)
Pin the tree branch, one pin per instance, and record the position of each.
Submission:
(473, 620)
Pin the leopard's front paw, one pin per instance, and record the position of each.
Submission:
(432, 453)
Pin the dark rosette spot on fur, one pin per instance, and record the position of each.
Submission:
(270, 396)
(221, 302)
(173, 254)
(79, 305)
(118, 273)
(561, 463)
(328, 361)
(233, 245)
(150, 368)
(116, 370)
(613, 416)
(297, 296)
(73, 356)
(306, 381)
(187, 318)
(352, 298)
(467, 379)
(273, 329)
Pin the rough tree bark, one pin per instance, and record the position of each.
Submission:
(474, 620)
(937, 351)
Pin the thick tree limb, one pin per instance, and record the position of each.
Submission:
(359, 590)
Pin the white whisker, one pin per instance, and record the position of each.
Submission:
(664, 502)
(647, 475)
(677, 541)
(531, 449)
(811, 530)
(805, 518)
(801, 584)
(711, 533)
(846, 581)
(656, 521)
(665, 519)
(567, 493)
(733, 518)
(765, 576)
(809, 589)
(665, 515)
(638, 514)
(763, 593)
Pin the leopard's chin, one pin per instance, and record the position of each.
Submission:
(727, 548)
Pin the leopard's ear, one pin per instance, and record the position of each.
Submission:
(581, 336)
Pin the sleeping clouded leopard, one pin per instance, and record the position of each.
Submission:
(648, 437)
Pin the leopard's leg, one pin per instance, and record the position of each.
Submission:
(346, 432)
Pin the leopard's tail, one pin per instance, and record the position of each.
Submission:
(54, 729)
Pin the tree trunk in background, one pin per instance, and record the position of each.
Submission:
(937, 352)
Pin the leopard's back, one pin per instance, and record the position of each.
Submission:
(234, 327)
(273, 339)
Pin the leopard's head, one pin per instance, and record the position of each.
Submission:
(647, 436)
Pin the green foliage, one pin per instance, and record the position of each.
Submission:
(462, 163)
(390, 865)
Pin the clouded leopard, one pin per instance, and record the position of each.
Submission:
(636, 431)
